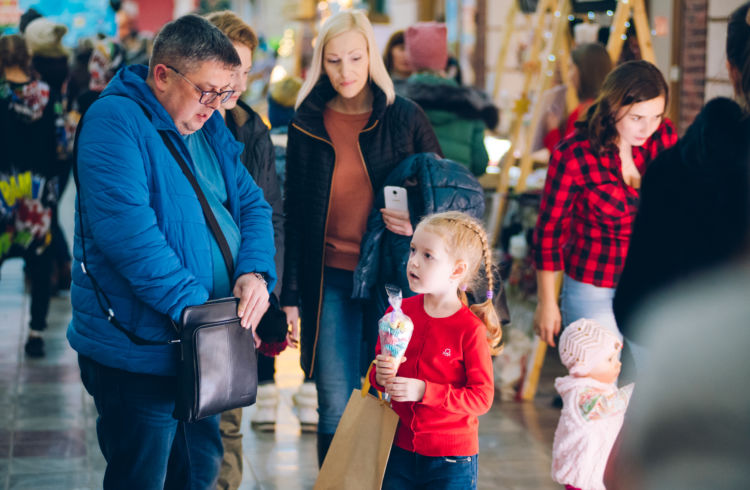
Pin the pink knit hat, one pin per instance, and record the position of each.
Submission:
(584, 344)
(427, 46)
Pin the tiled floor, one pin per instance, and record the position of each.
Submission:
(48, 435)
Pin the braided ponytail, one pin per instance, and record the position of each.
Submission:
(486, 310)
(467, 239)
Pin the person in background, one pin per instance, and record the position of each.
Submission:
(148, 246)
(350, 131)
(693, 213)
(590, 65)
(591, 195)
(458, 114)
(444, 381)
(396, 60)
(137, 44)
(281, 98)
(107, 57)
(258, 158)
(453, 70)
(28, 142)
(50, 62)
(78, 82)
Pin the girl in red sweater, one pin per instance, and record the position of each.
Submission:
(445, 378)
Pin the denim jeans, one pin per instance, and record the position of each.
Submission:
(144, 446)
(337, 359)
(581, 300)
(407, 470)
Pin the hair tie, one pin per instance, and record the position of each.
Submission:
(490, 294)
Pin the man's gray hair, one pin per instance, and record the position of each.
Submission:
(189, 41)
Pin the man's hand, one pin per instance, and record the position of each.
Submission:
(397, 221)
(405, 389)
(253, 297)
(386, 368)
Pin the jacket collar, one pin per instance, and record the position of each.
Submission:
(130, 82)
(240, 114)
(309, 116)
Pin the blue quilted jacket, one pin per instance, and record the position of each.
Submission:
(147, 243)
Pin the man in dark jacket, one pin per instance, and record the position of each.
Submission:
(148, 246)
(258, 157)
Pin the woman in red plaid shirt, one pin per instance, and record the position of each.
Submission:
(591, 197)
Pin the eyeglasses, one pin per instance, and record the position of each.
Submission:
(207, 96)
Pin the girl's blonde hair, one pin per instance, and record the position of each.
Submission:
(345, 21)
(466, 240)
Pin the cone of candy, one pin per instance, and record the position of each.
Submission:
(395, 328)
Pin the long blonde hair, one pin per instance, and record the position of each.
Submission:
(344, 21)
(466, 240)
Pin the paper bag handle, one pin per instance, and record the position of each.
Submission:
(366, 385)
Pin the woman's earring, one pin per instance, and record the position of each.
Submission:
(464, 287)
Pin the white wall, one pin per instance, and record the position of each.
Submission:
(717, 77)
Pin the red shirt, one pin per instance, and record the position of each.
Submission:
(452, 357)
(587, 211)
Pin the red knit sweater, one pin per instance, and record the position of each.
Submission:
(452, 357)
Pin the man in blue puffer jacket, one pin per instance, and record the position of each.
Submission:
(148, 246)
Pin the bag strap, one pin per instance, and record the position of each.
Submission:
(101, 296)
(366, 385)
(207, 212)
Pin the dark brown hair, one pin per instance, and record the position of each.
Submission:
(14, 52)
(396, 39)
(629, 83)
(593, 63)
(738, 51)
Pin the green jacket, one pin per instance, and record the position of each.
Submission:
(458, 115)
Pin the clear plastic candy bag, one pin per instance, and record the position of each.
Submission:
(395, 328)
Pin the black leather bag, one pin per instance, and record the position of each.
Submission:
(218, 367)
(218, 363)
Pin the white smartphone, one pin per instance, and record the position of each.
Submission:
(395, 198)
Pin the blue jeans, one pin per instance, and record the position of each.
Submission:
(408, 470)
(144, 446)
(581, 300)
(337, 358)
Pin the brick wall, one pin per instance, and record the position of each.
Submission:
(693, 60)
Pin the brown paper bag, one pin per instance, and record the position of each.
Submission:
(361, 445)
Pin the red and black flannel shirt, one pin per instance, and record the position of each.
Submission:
(587, 211)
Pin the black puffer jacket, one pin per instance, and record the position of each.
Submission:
(693, 211)
(259, 158)
(433, 185)
(393, 133)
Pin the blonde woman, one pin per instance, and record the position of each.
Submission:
(350, 130)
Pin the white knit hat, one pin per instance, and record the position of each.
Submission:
(584, 344)
(44, 38)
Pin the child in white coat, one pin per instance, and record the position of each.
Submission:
(593, 406)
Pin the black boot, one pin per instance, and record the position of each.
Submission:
(324, 442)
